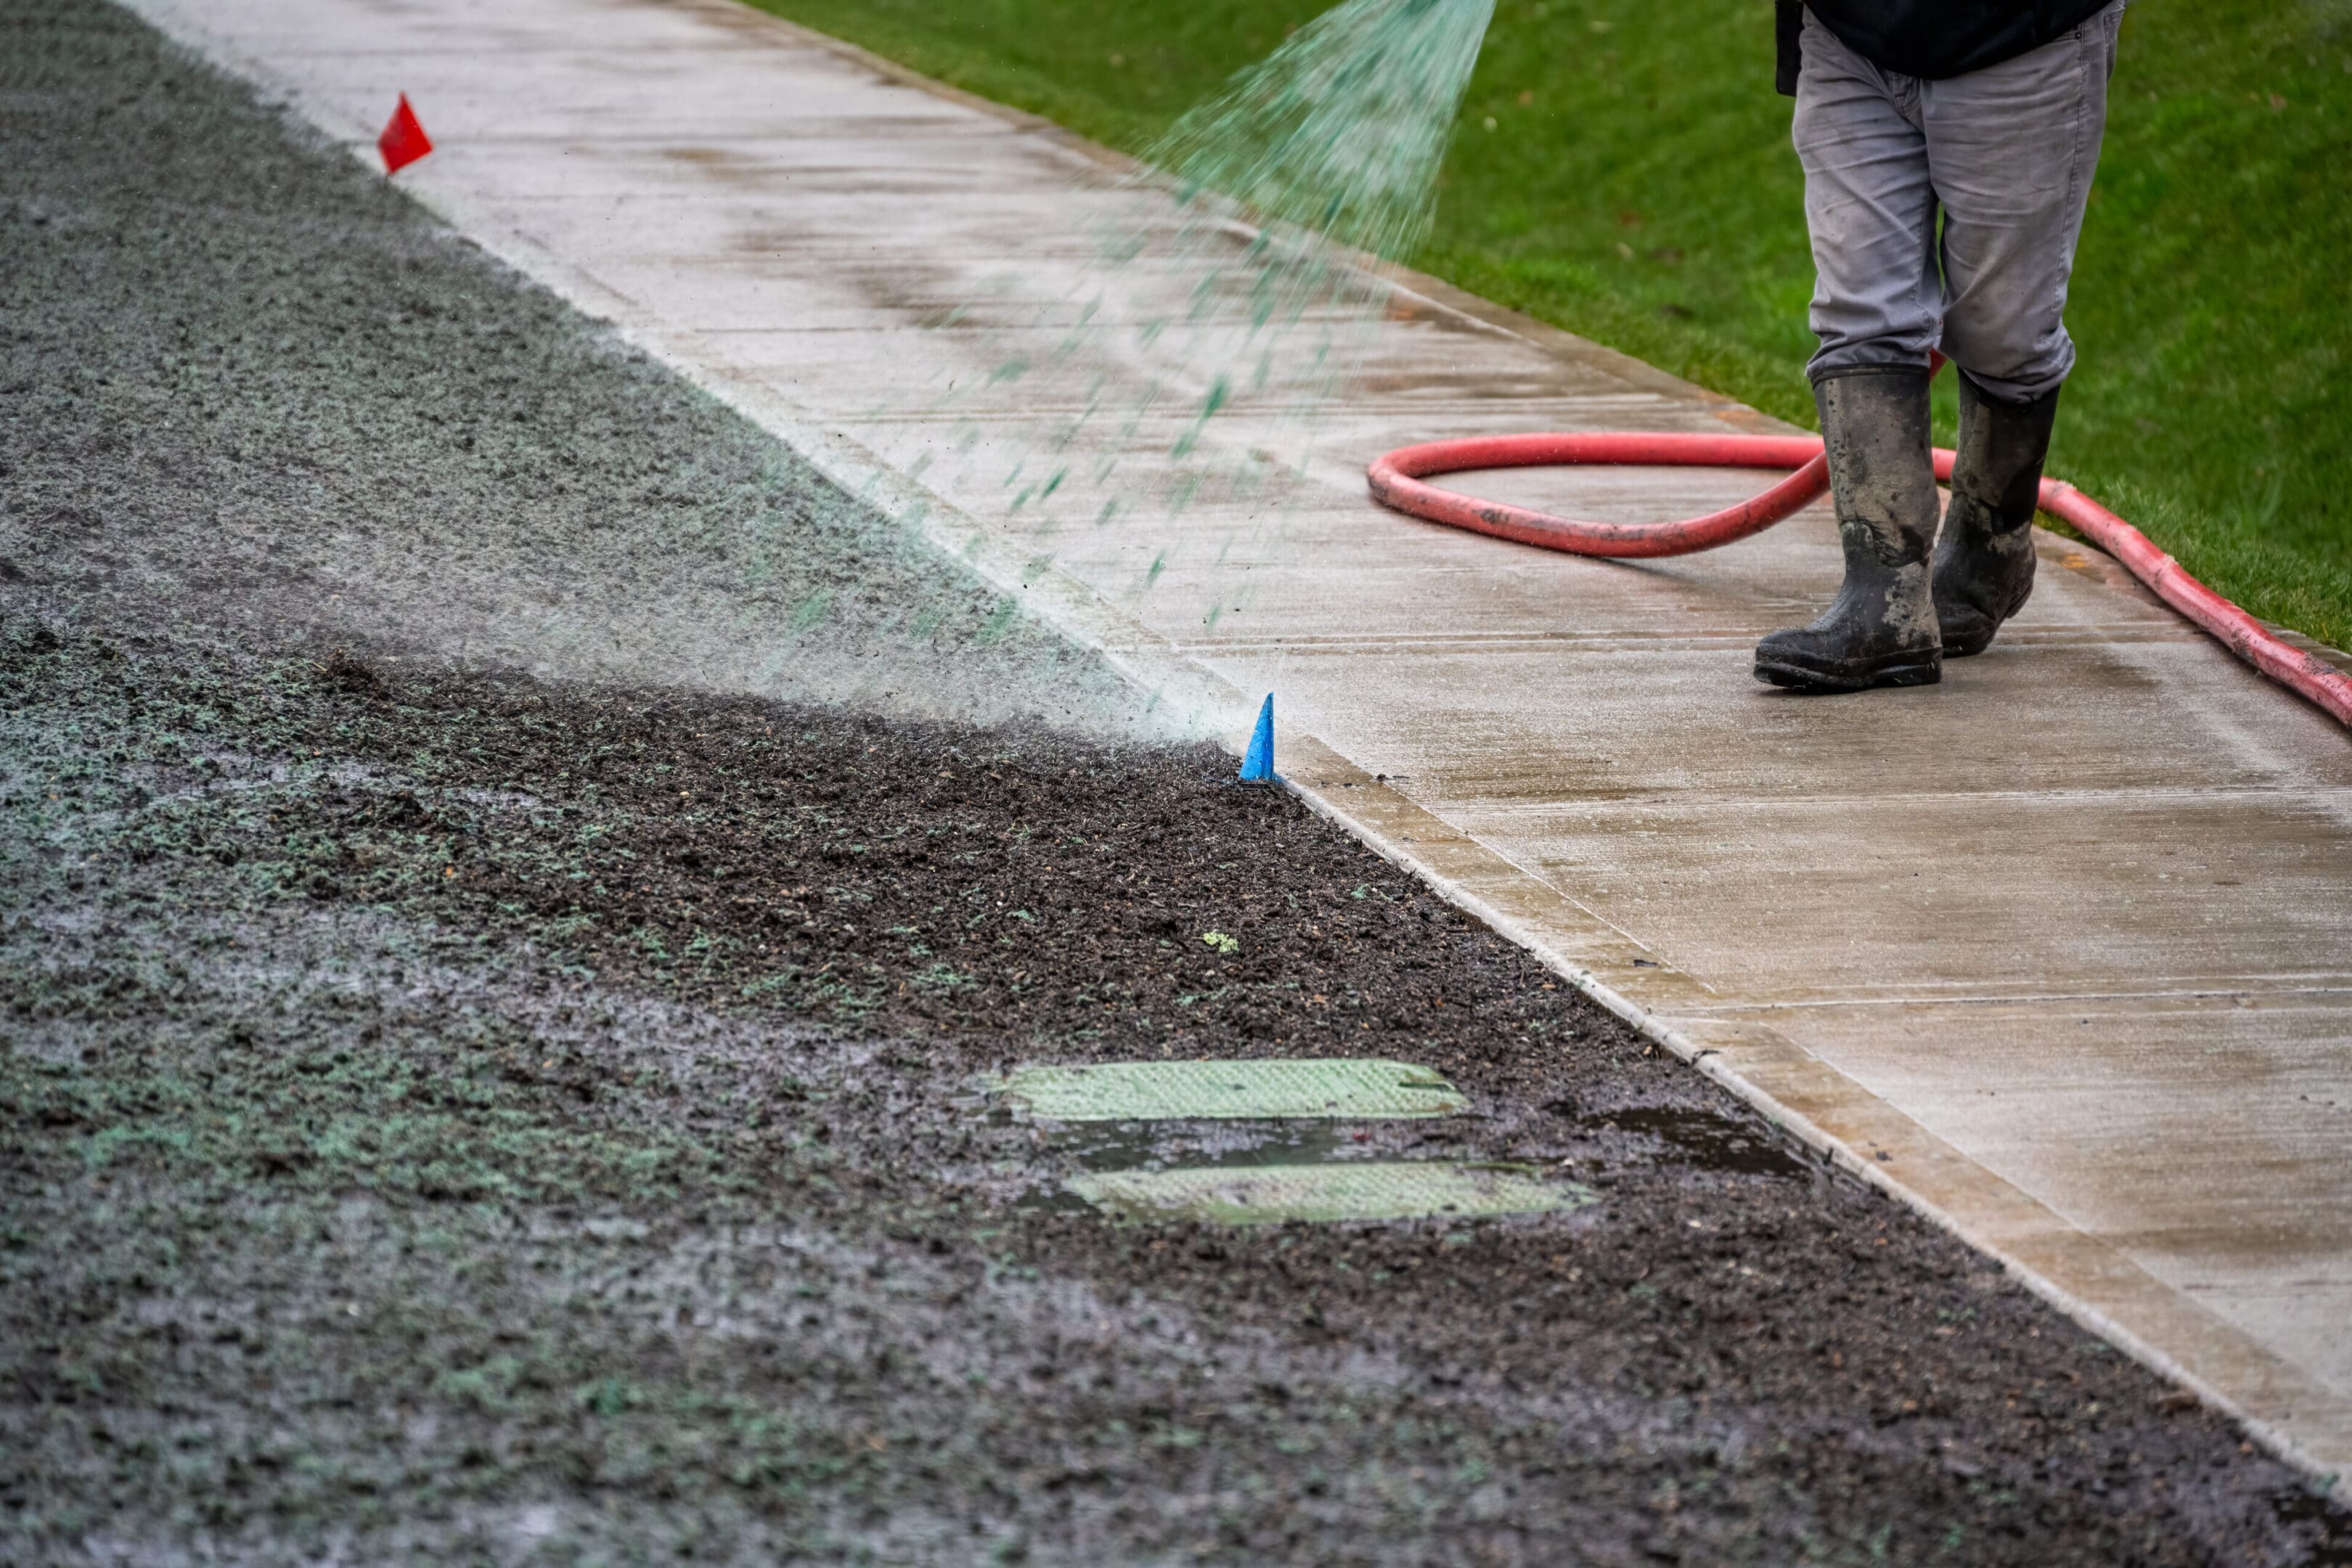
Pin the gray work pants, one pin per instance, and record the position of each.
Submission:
(2006, 153)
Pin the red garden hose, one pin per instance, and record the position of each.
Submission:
(1396, 482)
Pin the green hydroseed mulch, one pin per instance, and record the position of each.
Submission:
(1124, 1092)
(1623, 170)
(1325, 1193)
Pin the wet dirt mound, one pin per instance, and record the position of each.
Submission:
(471, 1112)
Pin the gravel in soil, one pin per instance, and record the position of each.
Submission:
(459, 1109)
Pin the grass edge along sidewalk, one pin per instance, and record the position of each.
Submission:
(1624, 171)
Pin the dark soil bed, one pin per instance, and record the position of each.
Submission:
(453, 1113)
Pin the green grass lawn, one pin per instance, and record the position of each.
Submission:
(1623, 170)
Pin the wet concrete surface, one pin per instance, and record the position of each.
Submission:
(458, 1113)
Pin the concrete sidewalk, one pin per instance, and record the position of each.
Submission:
(2061, 949)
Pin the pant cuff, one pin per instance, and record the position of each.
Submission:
(2008, 393)
(1884, 367)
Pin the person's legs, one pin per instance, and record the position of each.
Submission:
(1871, 209)
(2012, 150)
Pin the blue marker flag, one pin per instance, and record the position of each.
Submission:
(1259, 762)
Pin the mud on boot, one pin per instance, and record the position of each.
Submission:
(1984, 558)
(1882, 630)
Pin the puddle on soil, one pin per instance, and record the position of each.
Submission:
(1709, 1141)
(1353, 1089)
(1326, 1193)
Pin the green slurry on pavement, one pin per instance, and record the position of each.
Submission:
(1623, 170)
(1156, 1092)
(1327, 1194)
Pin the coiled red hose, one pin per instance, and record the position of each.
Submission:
(1396, 478)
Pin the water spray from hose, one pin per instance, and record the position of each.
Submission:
(1338, 135)
(1153, 383)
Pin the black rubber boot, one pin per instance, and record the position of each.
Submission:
(1882, 630)
(1984, 558)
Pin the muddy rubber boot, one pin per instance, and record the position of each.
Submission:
(1882, 630)
(1984, 558)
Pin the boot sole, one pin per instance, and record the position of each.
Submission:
(1798, 677)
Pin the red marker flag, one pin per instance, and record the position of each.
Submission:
(404, 140)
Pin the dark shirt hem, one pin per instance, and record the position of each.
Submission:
(1933, 38)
